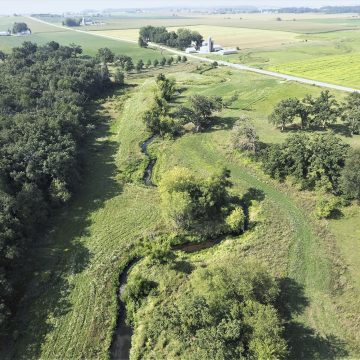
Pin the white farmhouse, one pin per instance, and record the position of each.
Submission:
(5, 33)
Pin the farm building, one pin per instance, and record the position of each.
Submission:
(228, 51)
(190, 50)
(24, 33)
(209, 47)
(86, 22)
(5, 33)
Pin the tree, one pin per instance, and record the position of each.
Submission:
(122, 60)
(119, 77)
(142, 43)
(156, 63)
(166, 86)
(178, 59)
(129, 65)
(351, 113)
(105, 55)
(304, 110)
(152, 117)
(71, 22)
(244, 137)
(75, 49)
(313, 160)
(169, 61)
(325, 110)
(163, 61)
(2, 56)
(224, 311)
(139, 65)
(351, 175)
(284, 113)
(148, 64)
(184, 59)
(19, 28)
(188, 201)
(203, 108)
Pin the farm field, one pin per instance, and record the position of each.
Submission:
(298, 23)
(69, 309)
(42, 33)
(226, 36)
(337, 69)
(325, 56)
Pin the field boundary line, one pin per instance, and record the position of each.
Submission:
(220, 62)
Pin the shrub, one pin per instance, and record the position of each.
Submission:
(236, 220)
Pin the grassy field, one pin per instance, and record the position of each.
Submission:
(42, 33)
(289, 240)
(69, 310)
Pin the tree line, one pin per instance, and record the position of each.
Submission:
(320, 112)
(44, 93)
(315, 161)
(180, 39)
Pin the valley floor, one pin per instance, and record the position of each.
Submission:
(69, 309)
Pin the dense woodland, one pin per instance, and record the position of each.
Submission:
(44, 93)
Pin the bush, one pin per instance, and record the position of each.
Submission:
(236, 221)
(326, 206)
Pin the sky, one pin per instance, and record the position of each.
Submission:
(33, 6)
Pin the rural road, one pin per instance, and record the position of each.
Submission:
(220, 62)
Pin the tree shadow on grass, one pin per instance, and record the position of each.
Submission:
(59, 251)
(304, 343)
(221, 123)
(251, 195)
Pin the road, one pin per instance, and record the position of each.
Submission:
(220, 62)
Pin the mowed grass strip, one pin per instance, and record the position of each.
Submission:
(69, 309)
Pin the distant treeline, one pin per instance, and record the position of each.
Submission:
(181, 39)
(44, 93)
(324, 9)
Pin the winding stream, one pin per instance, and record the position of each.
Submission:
(150, 166)
(121, 342)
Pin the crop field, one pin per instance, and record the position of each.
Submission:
(298, 23)
(340, 69)
(42, 33)
(226, 36)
